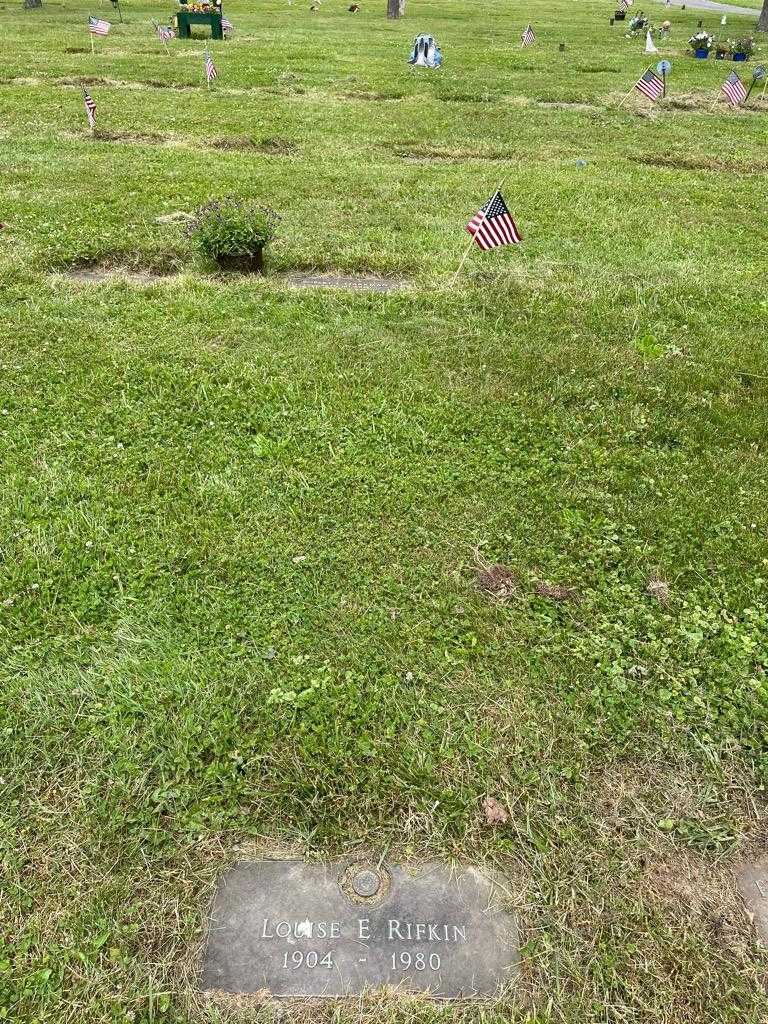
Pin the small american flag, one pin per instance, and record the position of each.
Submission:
(622, 5)
(210, 68)
(97, 27)
(165, 33)
(650, 85)
(733, 87)
(90, 110)
(226, 25)
(492, 225)
(529, 36)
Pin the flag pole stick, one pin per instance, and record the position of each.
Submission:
(633, 88)
(749, 90)
(472, 239)
(93, 48)
(464, 257)
(717, 100)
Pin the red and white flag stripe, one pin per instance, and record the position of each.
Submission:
(493, 225)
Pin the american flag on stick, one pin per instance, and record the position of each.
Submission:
(734, 90)
(90, 110)
(493, 226)
(165, 33)
(97, 27)
(226, 25)
(210, 69)
(529, 36)
(650, 85)
(622, 5)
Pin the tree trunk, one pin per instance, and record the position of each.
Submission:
(762, 25)
(396, 8)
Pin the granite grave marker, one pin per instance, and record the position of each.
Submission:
(752, 880)
(336, 929)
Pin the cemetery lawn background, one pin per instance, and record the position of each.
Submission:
(241, 522)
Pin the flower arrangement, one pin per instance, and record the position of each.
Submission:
(233, 232)
(745, 45)
(638, 25)
(722, 50)
(198, 8)
(701, 41)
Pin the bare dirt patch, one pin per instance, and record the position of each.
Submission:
(496, 580)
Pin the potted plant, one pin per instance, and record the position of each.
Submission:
(619, 15)
(701, 44)
(722, 50)
(743, 48)
(234, 233)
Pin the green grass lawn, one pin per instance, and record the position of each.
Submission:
(240, 523)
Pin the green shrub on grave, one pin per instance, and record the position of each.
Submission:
(232, 227)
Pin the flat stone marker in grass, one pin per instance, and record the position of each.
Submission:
(335, 929)
(345, 281)
(752, 880)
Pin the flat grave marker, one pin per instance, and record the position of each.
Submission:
(335, 929)
(752, 880)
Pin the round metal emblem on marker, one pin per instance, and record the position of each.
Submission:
(366, 883)
(663, 67)
(759, 73)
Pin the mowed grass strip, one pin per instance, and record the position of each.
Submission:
(242, 524)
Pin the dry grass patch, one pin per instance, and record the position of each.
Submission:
(701, 162)
(146, 138)
(273, 146)
(693, 890)
(430, 154)
(370, 96)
